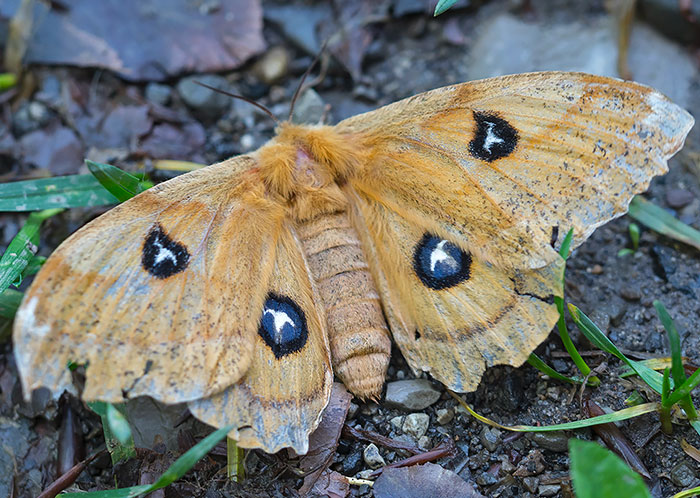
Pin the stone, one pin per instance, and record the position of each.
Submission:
(396, 423)
(372, 457)
(531, 483)
(273, 66)
(309, 108)
(682, 475)
(445, 416)
(490, 437)
(553, 441)
(411, 395)
(352, 463)
(416, 425)
(548, 489)
(208, 102)
(589, 46)
(630, 294)
(29, 117)
(158, 93)
(679, 197)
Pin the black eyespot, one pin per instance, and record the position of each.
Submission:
(162, 257)
(440, 264)
(494, 138)
(283, 325)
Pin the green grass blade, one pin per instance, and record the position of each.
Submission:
(118, 451)
(597, 472)
(118, 425)
(178, 469)
(662, 222)
(674, 341)
(684, 389)
(7, 80)
(22, 248)
(9, 302)
(596, 336)
(442, 6)
(59, 192)
(566, 244)
(119, 183)
(33, 266)
(540, 365)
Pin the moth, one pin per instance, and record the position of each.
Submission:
(241, 288)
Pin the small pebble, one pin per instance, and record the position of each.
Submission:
(273, 66)
(490, 437)
(679, 197)
(682, 475)
(372, 457)
(596, 270)
(445, 415)
(425, 442)
(411, 395)
(396, 423)
(531, 483)
(631, 294)
(548, 489)
(416, 425)
(158, 93)
(210, 103)
(553, 441)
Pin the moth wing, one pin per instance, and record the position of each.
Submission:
(159, 296)
(452, 314)
(280, 399)
(505, 164)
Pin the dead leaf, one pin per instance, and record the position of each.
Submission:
(420, 481)
(146, 40)
(331, 484)
(324, 440)
(56, 148)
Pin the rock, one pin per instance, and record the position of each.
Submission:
(510, 393)
(630, 294)
(682, 475)
(352, 411)
(273, 66)
(589, 46)
(153, 422)
(210, 103)
(309, 108)
(396, 423)
(678, 197)
(158, 93)
(445, 416)
(14, 437)
(553, 441)
(531, 465)
(372, 457)
(425, 442)
(490, 437)
(548, 489)
(667, 17)
(411, 395)
(531, 483)
(299, 22)
(29, 117)
(406, 7)
(352, 463)
(416, 425)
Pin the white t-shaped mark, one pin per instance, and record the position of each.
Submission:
(164, 253)
(491, 137)
(281, 319)
(439, 255)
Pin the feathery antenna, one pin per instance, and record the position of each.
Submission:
(297, 92)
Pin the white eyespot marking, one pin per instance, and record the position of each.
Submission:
(491, 138)
(281, 319)
(439, 255)
(163, 253)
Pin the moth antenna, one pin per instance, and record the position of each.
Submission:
(241, 97)
(297, 92)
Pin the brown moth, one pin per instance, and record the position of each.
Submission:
(435, 220)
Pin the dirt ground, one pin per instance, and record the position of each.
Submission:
(408, 53)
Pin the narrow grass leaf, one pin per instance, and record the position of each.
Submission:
(118, 182)
(674, 341)
(22, 248)
(9, 302)
(684, 389)
(442, 6)
(118, 451)
(597, 472)
(118, 425)
(59, 192)
(662, 222)
(596, 336)
(688, 493)
(566, 244)
(624, 414)
(7, 80)
(540, 365)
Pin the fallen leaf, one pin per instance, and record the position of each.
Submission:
(56, 148)
(146, 40)
(421, 481)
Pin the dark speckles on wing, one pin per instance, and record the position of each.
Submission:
(161, 256)
(283, 325)
(494, 137)
(440, 264)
